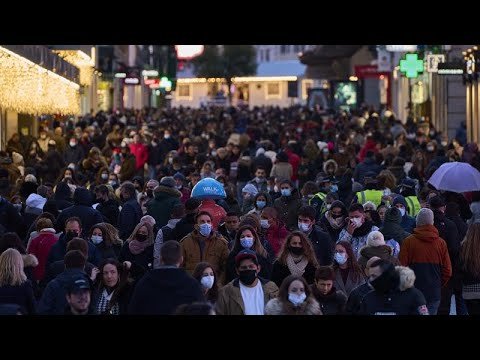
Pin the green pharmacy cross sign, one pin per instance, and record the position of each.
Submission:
(411, 65)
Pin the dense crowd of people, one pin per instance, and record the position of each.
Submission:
(324, 214)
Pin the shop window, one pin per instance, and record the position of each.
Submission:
(273, 91)
(184, 91)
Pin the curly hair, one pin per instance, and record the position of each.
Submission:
(307, 248)
(257, 242)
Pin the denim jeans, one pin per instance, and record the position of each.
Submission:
(433, 307)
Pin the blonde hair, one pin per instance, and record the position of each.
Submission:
(470, 250)
(150, 237)
(11, 268)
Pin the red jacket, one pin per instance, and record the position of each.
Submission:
(140, 152)
(185, 194)
(369, 145)
(40, 247)
(276, 236)
(216, 211)
(294, 160)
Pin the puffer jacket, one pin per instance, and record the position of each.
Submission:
(309, 307)
(215, 252)
(402, 298)
(230, 301)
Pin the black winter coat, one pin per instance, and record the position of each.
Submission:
(109, 211)
(128, 218)
(323, 246)
(281, 271)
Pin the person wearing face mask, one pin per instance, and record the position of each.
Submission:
(408, 222)
(393, 291)
(331, 300)
(72, 229)
(247, 238)
(205, 244)
(162, 290)
(105, 241)
(333, 221)
(356, 229)
(294, 298)
(73, 153)
(288, 204)
(297, 257)
(205, 275)
(180, 181)
(248, 293)
(138, 250)
(348, 274)
(273, 229)
(260, 202)
(112, 288)
(249, 192)
(320, 240)
(260, 180)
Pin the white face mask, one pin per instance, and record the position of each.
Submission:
(402, 211)
(296, 299)
(329, 206)
(357, 221)
(104, 176)
(264, 223)
(207, 281)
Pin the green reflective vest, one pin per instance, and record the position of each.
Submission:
(375, 196)
(413, 205)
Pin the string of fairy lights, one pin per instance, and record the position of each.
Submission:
(29, 88)
(82, 61)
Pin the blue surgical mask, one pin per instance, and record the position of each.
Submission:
(264, 224)
(340, 258)
(303, 226)
(246, 242)
(205, 229)
(286, 192)
(296, 299)
(333, 188)
(261, 204)
(207, 281)
(96, 239)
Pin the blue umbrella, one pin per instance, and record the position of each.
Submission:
(208, 188)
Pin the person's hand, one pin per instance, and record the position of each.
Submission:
(127, 265)
(94, 274)
(351, 226)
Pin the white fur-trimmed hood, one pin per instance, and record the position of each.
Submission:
(275, 307)
(407, 277)
(29, 260)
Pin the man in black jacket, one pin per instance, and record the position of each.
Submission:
(321, 241)
(106, 206)
(162, 290)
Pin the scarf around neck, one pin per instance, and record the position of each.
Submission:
(296, 269)
(337, 223)
(137, 247)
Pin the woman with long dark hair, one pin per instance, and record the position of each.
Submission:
(205, 275)
(348, 274)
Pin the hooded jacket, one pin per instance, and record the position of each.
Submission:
(392, 229)
(426, 253)
(161, 291)
(40, 247)
(63, 196)
(277, 307)
(408, 222)
(400, 298)
(287, 208)
(161, 206)
(129, 217)
(330, 162)
(83, 209)
(383, 252)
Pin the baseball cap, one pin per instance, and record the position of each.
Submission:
(79, 283)
(246, 254)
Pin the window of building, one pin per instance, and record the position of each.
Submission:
(273, 91)
(184, 91)
(267, 55)
(283, 49)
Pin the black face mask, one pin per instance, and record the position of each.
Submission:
(70, 235)
(296, 250)
(149, 193)
(141, 237)
(247, 277)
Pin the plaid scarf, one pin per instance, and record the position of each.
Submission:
(103, 306)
